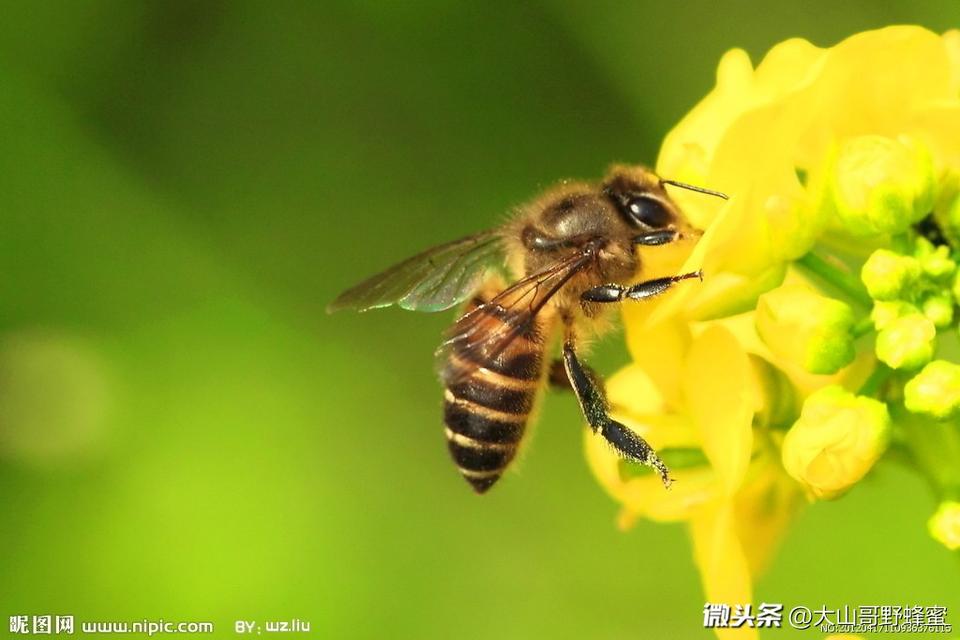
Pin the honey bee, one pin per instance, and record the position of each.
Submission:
(573, 250)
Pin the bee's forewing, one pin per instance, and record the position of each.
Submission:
(434, 280)
(484, 332)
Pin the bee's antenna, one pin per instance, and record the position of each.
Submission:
(690, 187)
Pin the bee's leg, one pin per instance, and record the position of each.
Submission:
(557, 377)
(593, 403)
(639, 291)
(655, 238)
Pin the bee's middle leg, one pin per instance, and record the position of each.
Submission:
(557, 376)
(593, 403)
(639, 291)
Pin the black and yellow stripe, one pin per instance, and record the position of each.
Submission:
(487, 404)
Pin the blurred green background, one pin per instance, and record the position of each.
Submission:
(185, 434)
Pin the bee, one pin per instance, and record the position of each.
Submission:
(573, 251)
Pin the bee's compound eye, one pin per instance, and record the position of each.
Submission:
(648, 211)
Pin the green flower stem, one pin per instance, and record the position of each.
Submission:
(934, 448)
(937, 447)
(880, 374)
(862, 328)
(829, 271)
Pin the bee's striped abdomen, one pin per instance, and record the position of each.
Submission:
(487, 403)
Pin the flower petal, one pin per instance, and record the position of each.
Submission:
(765, 507)
(719, 554)
(937, 125)
(637, 403)
(645, 496)
(660, 351)
(951, 40)
(871, 82)
(728, 293)
(718, 388)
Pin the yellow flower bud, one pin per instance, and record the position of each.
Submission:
(907, 342)
(886, 312)
(939, 310)
(888, 275)
(944, 525)
(836, 440)
(935, 391)
(806, 328)
(881, 185)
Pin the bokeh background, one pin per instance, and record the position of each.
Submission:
(185, 434)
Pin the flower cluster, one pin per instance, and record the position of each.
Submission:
(824, 335)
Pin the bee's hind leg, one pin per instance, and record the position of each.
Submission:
(589, 390)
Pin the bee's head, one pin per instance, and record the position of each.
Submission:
(642, 201)
(629, 208)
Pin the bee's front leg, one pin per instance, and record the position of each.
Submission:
(593, 403)
(656, 238)
(639, 291)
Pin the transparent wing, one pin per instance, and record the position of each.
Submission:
(434, 280)
(485, 331)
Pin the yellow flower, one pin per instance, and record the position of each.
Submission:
(760, 130)
(880, 185)
(944, 525)
(734, 495)
(815, 147)
(836, 441)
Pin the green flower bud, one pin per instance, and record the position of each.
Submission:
(946, 211)
(922, 248)
(935, 391)
(882, 185)
(944, 525)
(836, 440)
(955, 290)
(953, 212)
(907, 342)
(778, 397)
(888, 275)
(938, 265)
(939, 309)
(806, 328)
(886, 312)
